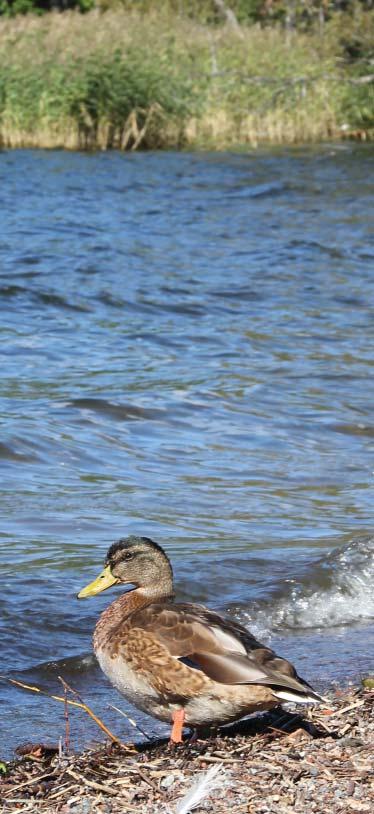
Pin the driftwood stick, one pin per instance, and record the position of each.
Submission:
(27, 783)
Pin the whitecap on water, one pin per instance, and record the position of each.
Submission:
(337, 591)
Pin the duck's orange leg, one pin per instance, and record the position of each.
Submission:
(178, 720)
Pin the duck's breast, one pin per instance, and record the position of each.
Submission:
(131, 684)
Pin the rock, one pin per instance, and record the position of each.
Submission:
(167, 781)
(299, 735)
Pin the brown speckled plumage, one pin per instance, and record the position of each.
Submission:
(166, 656)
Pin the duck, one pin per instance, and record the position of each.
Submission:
(182, 663)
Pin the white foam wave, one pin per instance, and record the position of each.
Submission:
(340, 591)
(347, 602)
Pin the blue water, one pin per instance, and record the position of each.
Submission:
(187, 353)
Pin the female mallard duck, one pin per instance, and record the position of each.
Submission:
(182, 663)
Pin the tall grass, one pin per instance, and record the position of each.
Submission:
(117, 79)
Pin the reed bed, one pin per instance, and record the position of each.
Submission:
(276, 763)
(115, 79)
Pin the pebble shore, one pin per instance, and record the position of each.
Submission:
(277, 763)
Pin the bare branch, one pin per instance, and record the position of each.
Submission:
(230, 16)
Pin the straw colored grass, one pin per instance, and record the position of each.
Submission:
(119, 80)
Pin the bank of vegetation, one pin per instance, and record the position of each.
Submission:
(170, 75)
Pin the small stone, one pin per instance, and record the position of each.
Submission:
(167, 781)
(299, 735)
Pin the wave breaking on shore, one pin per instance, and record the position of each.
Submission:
(336, 590)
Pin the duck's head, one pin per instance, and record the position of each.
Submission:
(136, 561)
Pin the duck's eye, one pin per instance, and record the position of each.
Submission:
(128, 556)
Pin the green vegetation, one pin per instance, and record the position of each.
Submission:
(122, 79)
(294, 13)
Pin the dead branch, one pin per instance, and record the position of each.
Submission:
(229, 16)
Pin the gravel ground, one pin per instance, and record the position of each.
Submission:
(276, 763)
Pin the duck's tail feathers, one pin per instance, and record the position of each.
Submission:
(309, 697)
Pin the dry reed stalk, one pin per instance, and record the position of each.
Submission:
(67, 721)
(80, 704)
(214, 89)
(131, 721)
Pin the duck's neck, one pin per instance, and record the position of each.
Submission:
(125, 605)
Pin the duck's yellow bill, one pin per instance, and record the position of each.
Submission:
(101, 583)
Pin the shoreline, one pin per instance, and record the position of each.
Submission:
(74, 144)
(127, 81)
(275, 763)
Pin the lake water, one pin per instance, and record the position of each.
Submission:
(186, 353)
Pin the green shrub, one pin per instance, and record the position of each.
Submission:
(115, 79)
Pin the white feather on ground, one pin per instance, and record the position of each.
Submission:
(205, 784)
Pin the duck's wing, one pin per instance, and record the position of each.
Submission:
(222, 649)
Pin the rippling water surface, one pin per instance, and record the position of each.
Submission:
(186, 353)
